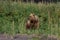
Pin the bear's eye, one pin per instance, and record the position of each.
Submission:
(33, 15)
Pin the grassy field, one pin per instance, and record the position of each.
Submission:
(13, 16)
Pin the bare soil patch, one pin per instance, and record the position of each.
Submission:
(27, 37)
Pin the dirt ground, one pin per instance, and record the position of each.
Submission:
(27, 37)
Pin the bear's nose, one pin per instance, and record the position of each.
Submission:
(32, 21)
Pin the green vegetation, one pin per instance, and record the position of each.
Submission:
(13, 16)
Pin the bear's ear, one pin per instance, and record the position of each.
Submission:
(33, 14)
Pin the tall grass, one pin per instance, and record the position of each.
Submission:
(13, 16)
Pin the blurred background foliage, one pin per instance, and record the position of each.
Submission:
(13, 16)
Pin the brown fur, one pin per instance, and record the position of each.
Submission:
(32, 22)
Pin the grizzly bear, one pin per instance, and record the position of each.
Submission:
(32, 22)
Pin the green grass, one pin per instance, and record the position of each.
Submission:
(14, 15)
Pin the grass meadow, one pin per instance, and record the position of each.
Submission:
(13, 16)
